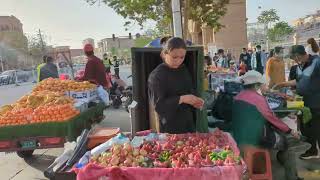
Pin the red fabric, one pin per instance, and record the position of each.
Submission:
(243, 68)
(64, 77)
(109, 80)
(95, 71)
(94, 172)
(88, 48)
(253, 98)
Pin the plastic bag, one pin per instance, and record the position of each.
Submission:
(84, 160)
(103, 95)
(119, 139)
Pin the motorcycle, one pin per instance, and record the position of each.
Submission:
(119, 91)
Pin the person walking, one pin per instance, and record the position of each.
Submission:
(48, 70)
(116, 66)
(222, 60)
(245, 57)
(44, 61)
(258, 60)
(107, 62)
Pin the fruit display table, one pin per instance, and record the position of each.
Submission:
(216, 156)
(216, 79)
(66, 129)
(48, 135)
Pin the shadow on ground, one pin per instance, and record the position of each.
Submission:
(40, 162)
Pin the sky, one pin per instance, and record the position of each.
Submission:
(68, 22)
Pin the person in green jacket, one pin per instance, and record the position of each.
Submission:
(107, 62)
(251, 119)
(44, 59)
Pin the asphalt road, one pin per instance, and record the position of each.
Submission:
(14, 168)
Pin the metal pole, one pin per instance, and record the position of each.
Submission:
(42, 43)
(2, 68)
(176, 16)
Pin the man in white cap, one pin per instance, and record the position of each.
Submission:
(252, 119)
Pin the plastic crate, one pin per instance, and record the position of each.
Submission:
(100, 135)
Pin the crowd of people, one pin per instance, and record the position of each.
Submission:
(261, 72)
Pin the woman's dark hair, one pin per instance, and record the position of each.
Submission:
(220, 51)
(174, 43)
(49, 59)
(314, 45)
(208, 60)
(271, 54)
(164, 40)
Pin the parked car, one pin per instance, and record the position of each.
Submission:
(14, 76)
(8, 77)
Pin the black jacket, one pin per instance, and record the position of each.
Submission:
(48, 70)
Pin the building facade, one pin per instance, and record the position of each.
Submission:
(114, 45)
(13, 43)
(11, 33)
(307, 27)
(232, 37)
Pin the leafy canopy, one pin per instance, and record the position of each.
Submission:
(139, 11)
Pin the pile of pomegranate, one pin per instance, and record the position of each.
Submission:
(177, 151)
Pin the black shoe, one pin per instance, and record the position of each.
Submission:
(309, 155)
(300, 178)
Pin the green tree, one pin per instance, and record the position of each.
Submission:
(139, 11)
(279, 30)
(36, 48)
(268, 17)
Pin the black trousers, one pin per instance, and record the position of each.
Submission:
(312, 131)
(116, 72)
(260, 69)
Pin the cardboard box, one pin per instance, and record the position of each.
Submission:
(86, 96)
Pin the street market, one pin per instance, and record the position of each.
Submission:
(195, 90)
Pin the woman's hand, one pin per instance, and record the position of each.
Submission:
(295, 134)
(192, 100)
(285, 84)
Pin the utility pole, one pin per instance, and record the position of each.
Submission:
(176, 16)
(1, 60)
(41, 42)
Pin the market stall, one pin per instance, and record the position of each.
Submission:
(217, 77)
(161, 156)
(55, 111)
(151, 155)
(287, 103)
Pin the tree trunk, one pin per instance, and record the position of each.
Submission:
(186, 8)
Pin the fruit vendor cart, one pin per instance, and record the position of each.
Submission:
(202, 156)
(24, 139)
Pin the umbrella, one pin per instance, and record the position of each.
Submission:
(156, 43)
